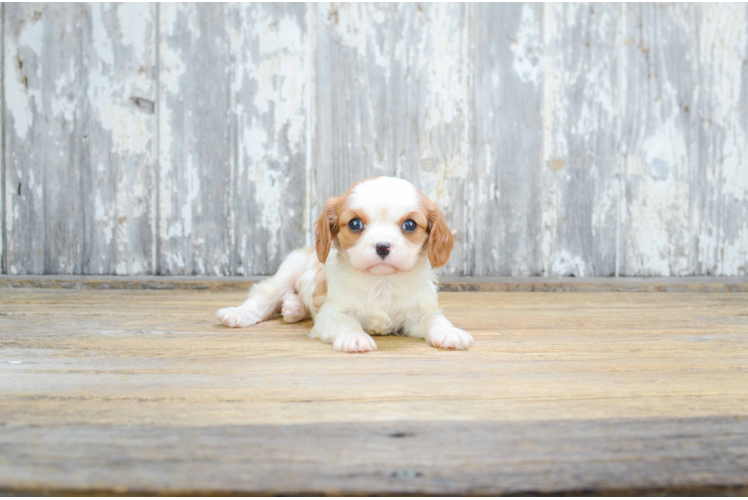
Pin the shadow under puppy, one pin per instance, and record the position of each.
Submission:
(371, 273)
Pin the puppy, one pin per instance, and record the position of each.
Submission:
(371, 273)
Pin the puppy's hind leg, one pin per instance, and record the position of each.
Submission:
(266, 297)
(293, 309)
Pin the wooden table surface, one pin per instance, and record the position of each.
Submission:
(141, 391)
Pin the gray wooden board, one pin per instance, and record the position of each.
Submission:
(720, 172)
(195, 149)
(270, 78)
(117, 163)
(446, 284)
(581, 113)
(2, 149)
(203, 139)
(505, 177)
(689, 455)
(43, 135)
(79, 173)
(659, 222)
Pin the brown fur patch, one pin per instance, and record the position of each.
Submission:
(441, 241)
(420, 235)
(329, 224)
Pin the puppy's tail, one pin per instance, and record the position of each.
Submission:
(266, 297)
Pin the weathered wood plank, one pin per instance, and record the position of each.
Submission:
(3, 263)
(661, 145)
(79, 182)
(720, 177)
(446, 284)
(118, 188)
(505, 176)
(392, 99)
(121, 391)
(43, 137)
(196, 151)
(270, 181)
(595, 457)
(581, 114)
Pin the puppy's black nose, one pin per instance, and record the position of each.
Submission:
(383, 249)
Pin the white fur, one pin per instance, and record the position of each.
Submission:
(366, 295)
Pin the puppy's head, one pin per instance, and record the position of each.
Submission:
(382, 226)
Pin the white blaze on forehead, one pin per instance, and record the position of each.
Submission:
(384, 197)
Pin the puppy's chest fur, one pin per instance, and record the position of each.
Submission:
(382, 305)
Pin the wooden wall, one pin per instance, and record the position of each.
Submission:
(568, 139)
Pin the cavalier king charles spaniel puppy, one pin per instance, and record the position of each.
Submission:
(371, 273)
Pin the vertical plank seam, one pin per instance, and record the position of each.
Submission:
(622, 145)
(468, 56)
(234, 143)
(156, 147)
(311, 109)
(3, 175)
(544, 124)
(78, 162)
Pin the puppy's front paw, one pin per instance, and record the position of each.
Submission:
(449, 337)
(237, 317)
(354, 342)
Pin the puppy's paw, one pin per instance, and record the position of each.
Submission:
(294, 309)
(354, 342)
(237, 317)
(449, 337)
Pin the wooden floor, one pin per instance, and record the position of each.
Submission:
(141, 391)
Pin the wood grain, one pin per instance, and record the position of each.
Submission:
(563, 392)
(196, 153)
(720, 194)
(505, 175)
(3, 232)
(584, 140)
(118, 187)
(43, 137)
(661, 147)
(581, 114)
(80, 103)
(447, 284)
(270, 178)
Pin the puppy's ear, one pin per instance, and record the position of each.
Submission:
(324, 229)
(441, 240)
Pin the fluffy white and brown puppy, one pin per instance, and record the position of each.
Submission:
(371, 273)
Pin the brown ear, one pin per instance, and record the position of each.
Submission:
(441, 240)
(324, 229)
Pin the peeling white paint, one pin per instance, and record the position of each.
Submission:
(683, 197)
(22, 98)
(526, 49)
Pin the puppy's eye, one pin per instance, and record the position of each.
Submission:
(409, 225)
(356, 225)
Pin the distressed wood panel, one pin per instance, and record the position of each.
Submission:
(270, 180)
(661, 145)
(392, 85)
(143, 390)
(582, 115)
(505, 176)
(118, 186)
(574, 139)
(720, 177)
(43, 111)
(79, 183)
(3, 263)
(196, 150)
